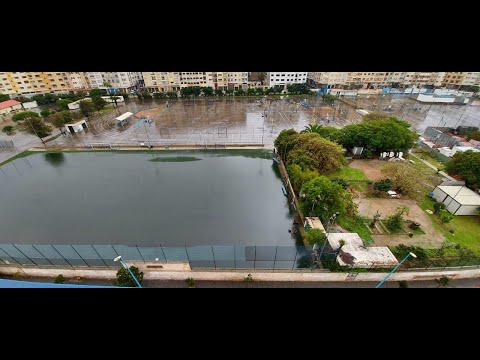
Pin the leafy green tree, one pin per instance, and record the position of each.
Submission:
(125, 96)
(37, 126)
(98, 103)
(207, 91)
(285, 141)
(146, 95)
(8, 129)
(61, 118)
(240, 92)
(395, 221)
(323, 198)
(251, 91)
(406, 178)
(327, 132)
(219, 92)
(96, 92)
(229, 91)
(379, 135)
(437, 207)
(314, 236)
(444, 216)
(383, 185)
(376, 116)
(327, 155)
(172, 94)
(467, 165)
(4, 97)
(63, 103)
(158, 95)
(262, 76)
(60, 279)
(24, 115)
(87, 108)
(45, 113)
(298, 177)
(259, 91)
(298, 89)
(125, 279)
(475, 135)
(312, 128)
(329, 98)
(301, 158)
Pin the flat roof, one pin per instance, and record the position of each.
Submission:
(77, 123)
(355, 254)
(461, 194)
(124, 116)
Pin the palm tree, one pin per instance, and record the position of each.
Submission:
(312, 128)
(262, 76)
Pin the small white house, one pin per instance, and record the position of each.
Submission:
(30, 105)
(76, 127)
(459, 200)
(6, 107)
(123, 119)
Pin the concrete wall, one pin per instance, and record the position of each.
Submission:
(439, 195)
(468, 210)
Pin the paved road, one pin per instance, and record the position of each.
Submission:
(463, 283)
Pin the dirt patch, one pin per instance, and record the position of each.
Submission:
(151, 112)
(371, 168)
(6, 123)
(431, 239)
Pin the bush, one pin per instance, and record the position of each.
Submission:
(437, 207)
(59, 279)
(190, 282)
(342, 182)
(444, 216)
(45, 113)
(125, 279)
(8, 130)
(403, 284)
(314, 236)
(395, 220)
(383, 185)
(248, 278)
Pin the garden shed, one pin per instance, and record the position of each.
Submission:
(459, 200)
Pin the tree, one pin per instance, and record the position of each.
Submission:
(327, 132)
(298, 89)
(98, 103)
(395, 221)
(467, 165)
(444, 216)
(259, 91)
(37, 126)
(240, 92)
(437, 207)
(329, 98)
(23, 115)
(158, 95)
(63, 103)
(190, 282)
(314, 236)
(298, 177)
(312, 128)
(61, 118)
(327, 155)
(405, 178)
(262, 76)
(87, 108)
(219, 92)
(383, 135)
(96, 92)
(285, 141)
(45, 113)
(323, 198)
(229, 91)
(60, 279)
(4, 97)
(251, 91)
(383, 185)
(125, 279)
(146, 95)
(8, 130)
(376, 116)
(172, 94)
(403, 284)
(207, 91)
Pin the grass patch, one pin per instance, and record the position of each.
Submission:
(175, 159)
(430, 160)
(52, 138)
(355, 225)
(348, 173)
(18, 156)
(106, 110)
(466, 228)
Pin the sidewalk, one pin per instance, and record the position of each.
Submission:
(444, 174)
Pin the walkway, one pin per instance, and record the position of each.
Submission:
(444, 174)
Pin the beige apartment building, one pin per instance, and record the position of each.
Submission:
(331, 79)
(31, 83)
(174, 81)
(457, 79)
(78, 81)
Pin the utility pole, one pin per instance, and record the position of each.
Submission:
(28, 119)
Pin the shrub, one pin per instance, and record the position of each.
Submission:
(383, 185)
(314, 236)
(342, 182)
(248, 278)
(403, 284)
(59, 279)
(395, 220)
(23, 115)
(45, 113)
(125, 279)
(437, 207)
(8, 129)
(444, 216)
(190, 282)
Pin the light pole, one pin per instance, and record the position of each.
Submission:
(395, 268)
(329, 224)
(124, 264)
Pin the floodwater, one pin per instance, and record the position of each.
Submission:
(145, 199)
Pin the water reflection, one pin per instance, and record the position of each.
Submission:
(55, 159)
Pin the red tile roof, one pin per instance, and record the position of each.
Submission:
(8, 103)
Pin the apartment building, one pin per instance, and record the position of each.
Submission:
(124, 81)
(78, 81)
(174, 81)
(457, 79)
(286, 78)
(420, 78)
(31, 83)
(329, 79)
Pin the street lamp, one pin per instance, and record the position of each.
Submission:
(331, 220)
(124, 264)
(395, 268)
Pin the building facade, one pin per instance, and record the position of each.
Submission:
(328, 79)
(286, 78)
(124, 81)
(31, 83)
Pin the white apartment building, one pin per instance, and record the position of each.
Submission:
(174, 81)
(124, 81)
(420, 78)
(286, 78)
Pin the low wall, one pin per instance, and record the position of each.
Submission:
(308, 276)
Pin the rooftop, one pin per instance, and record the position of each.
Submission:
(8, 103)
(461, 194)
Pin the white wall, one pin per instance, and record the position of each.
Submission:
(438, 194)
(468, 210)
(30, 105)
(431, 98)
